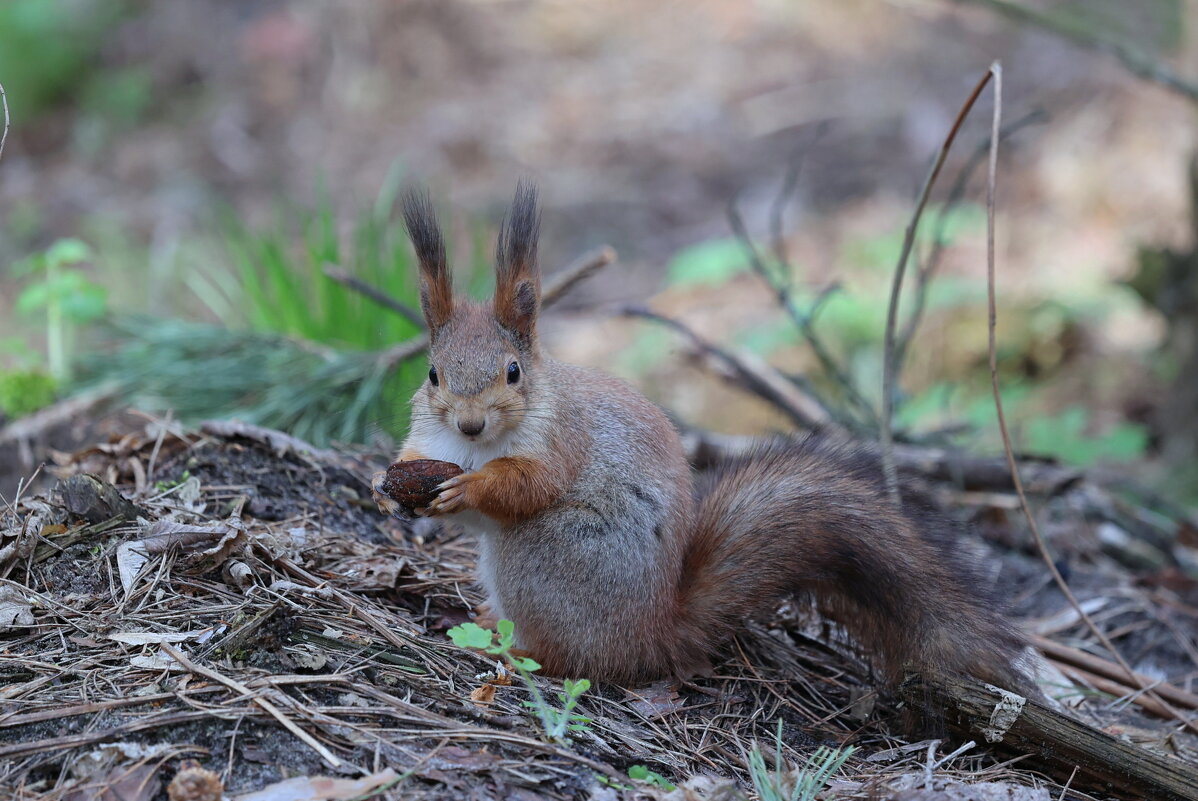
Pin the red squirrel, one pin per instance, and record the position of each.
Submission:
(613, 561)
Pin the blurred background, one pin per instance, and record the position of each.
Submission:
(178, 176)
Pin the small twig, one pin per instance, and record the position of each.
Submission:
(575, 272)
(992, 307)
(402, 352)
(1065, 789)
(343, 277)
(759, 379)
(4, 136)
(267, 706)
(783, 293)
(789, 184)
(888, 360)
(1096, 665)
(1135, 62)
(928, 269)
(163, 425)
(1121, 693)
(960, 750)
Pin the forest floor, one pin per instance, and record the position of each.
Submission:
(242, 603)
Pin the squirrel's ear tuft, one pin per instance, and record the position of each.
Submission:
(436, 283)
(517, 276)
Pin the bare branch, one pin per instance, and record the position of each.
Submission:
(343, 277)
(4, 136)
(789, 184)
(804, 322)
(575, 272)
(931, 265)
(753, 375)
(888, 360)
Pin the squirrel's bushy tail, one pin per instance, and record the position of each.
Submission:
(812, 517)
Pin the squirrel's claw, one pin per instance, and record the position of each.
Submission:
(451, 496)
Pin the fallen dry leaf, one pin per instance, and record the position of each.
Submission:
(481, 696)
(659, 698)
(321, 788)
(366, 573)
(159, 660)
(215, 541)
(457, 758)
(125, 783)
(15, 610)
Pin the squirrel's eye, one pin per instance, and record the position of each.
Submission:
(432, 375)
(513, 373)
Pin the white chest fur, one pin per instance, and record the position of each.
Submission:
(449, 446)
(439, 442)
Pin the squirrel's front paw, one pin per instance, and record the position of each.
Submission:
(453, 495)
(386, 504)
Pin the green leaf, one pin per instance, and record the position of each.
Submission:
(524, 663)
(87, 303)
(29, 265)
(80, 300)
(68, 251)
(641, 773)
(713, 262)
(507, 637)
(1064, 436)
(33, 298)
(471, 635)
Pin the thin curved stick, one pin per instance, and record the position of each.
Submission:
(4, 136)
(928, 269)
(900, 270)
(1134, 679)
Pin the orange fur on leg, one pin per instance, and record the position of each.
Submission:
(508, 489)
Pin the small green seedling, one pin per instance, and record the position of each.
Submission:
(498, 643)
(607, 781)
(162, 485)
(641, 773)
(555, 722)
(815, 775)
(65, 295)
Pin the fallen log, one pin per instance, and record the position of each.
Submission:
(1049, 741)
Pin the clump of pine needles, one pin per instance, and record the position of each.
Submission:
(292, 348)
(200, 370)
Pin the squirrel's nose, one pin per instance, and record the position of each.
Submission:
(472, 428)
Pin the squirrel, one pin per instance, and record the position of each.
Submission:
(612, 560)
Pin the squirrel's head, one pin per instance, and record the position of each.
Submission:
(480, 354)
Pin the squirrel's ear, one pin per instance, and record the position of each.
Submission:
(517, 276)
(436, 283)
